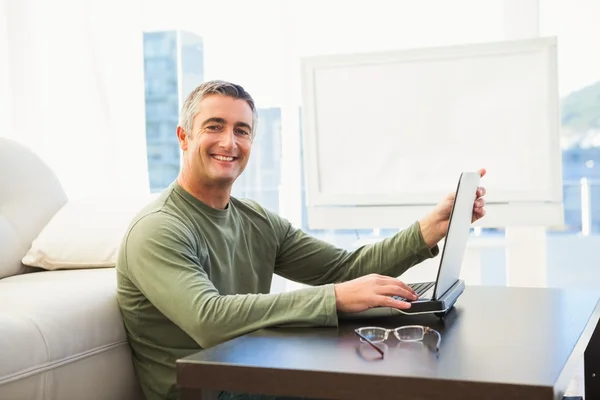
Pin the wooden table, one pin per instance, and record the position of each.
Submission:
(497, 343)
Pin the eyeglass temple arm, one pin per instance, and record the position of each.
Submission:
(370, 343)
(428, 329)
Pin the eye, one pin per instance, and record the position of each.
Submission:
(242, 132)
(213, 128)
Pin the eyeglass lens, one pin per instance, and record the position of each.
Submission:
(409, 333)
(374, 334)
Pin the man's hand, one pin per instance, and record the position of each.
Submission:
(435, 224)
(372, 291)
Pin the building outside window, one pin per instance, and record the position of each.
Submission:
(173, 67)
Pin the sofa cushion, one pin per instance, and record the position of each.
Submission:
(85, 233)
(53, 318)
(30, 194)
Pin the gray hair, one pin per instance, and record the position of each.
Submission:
(191, 105)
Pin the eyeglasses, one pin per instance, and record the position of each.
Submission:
(409, 333)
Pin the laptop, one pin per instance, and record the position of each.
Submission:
(439, 297)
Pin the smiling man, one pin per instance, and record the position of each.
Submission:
(216, 146)
(196, 265)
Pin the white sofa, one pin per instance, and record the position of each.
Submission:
(61, 332)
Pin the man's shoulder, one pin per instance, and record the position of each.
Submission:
(243, 203)
(156, 222)
(154, 229)
(254, 210)
(155, 219)
(259, 216)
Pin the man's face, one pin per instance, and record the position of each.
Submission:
(218, 148)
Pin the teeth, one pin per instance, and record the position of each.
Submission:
(223, 158)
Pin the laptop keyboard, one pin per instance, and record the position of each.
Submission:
(420, 288)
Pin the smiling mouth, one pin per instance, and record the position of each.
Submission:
(223, 158)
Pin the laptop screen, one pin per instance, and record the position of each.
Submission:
(457, 236)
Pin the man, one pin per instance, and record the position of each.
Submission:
(196, 265)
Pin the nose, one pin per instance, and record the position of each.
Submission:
(228, 140)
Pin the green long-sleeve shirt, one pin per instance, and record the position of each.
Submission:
(191, 276)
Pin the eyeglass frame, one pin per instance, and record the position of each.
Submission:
(425, 329)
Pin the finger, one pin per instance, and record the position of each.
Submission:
(387, 301)
(479, 203)
(481, 191)
(405, 286)
(388, 280)
(394, 290)
(482, 172)
(399, 283)
(480, 213)
(383, 280)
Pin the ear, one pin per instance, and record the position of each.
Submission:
(183, 137)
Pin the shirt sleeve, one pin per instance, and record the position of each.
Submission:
(161, 258)
(308, 260)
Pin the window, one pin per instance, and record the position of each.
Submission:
(404, 25)
(576, 26)
(152, 131)
(264, 58)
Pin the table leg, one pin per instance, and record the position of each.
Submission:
(591, 365)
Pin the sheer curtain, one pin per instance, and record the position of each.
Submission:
(75, 90)
(5, 98)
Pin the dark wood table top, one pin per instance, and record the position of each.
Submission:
(497, 343)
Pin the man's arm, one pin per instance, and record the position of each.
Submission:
(306, 259)
(161, 259)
